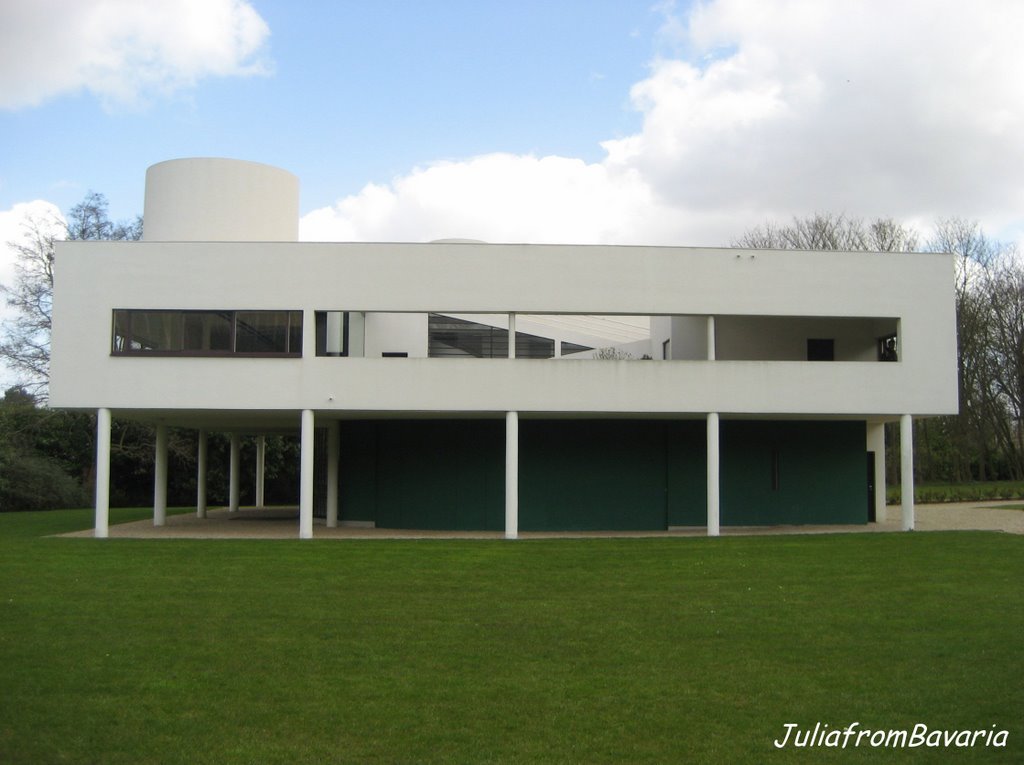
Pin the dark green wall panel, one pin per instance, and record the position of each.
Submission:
(599, 474)
(686, 445)
(821, 476)
(357, 471)
(591, 474)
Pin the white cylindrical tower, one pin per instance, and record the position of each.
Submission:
(220, 200)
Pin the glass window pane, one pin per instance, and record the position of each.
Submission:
(295, 332)
(261, 332)
(156, 331)
(122, 331)
(207, 331)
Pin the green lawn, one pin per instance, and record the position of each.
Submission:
(581, 651)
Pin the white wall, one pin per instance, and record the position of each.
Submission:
(689, 338)
(396, 333)
(93, 278)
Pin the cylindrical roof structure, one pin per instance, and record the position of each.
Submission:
(220, 200)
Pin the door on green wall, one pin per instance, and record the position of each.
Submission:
(871, 487)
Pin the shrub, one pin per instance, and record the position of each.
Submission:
(32, 482)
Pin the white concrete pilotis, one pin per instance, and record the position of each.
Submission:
(233, 473)
(201, 462)
(261, 461)
(333, 449)
(713, 453)
(102, 473)
(714, 523)
(511, 475)
(306, 475)
(160, 477)
(907, 470)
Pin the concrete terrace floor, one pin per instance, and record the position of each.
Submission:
(282, 523)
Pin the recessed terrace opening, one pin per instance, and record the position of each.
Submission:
(798, 338)
(607, 336)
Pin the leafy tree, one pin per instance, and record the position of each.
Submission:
(40, 454)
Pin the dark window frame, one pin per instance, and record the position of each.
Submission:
(127, 350)
(320, 333)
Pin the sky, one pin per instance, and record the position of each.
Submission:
(596, 121)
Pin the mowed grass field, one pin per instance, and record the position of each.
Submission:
(547, 651)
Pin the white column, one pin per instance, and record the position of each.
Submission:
(876, 444)
(160, 477)
(333, 449)
(511, 335)
(102, 473)
(907, 470)
(261, 461)
(714, 525)
(711, 338)
(306, 476)
(201, 462)
(233, 473)
(511, 475)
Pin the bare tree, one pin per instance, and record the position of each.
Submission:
(25, 343)
(825, 231)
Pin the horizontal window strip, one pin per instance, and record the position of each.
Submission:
(169, 332)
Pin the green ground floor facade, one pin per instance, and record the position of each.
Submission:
(600, 474)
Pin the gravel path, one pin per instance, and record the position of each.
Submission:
(283, 524)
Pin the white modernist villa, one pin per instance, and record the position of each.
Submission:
(647, 387)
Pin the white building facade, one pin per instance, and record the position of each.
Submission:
(647, 387)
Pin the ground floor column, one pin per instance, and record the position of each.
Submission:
(333, 433)
(233, 472)
(713, 483)
(160, 477)
(102, 473)
(511, 475)
(876, 444)
(261, 462)
(306, 475)
(201, 460)
(907, 470)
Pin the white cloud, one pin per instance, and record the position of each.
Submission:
(14, 230)
(123, 50)
(911, 109)
(497, 197)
